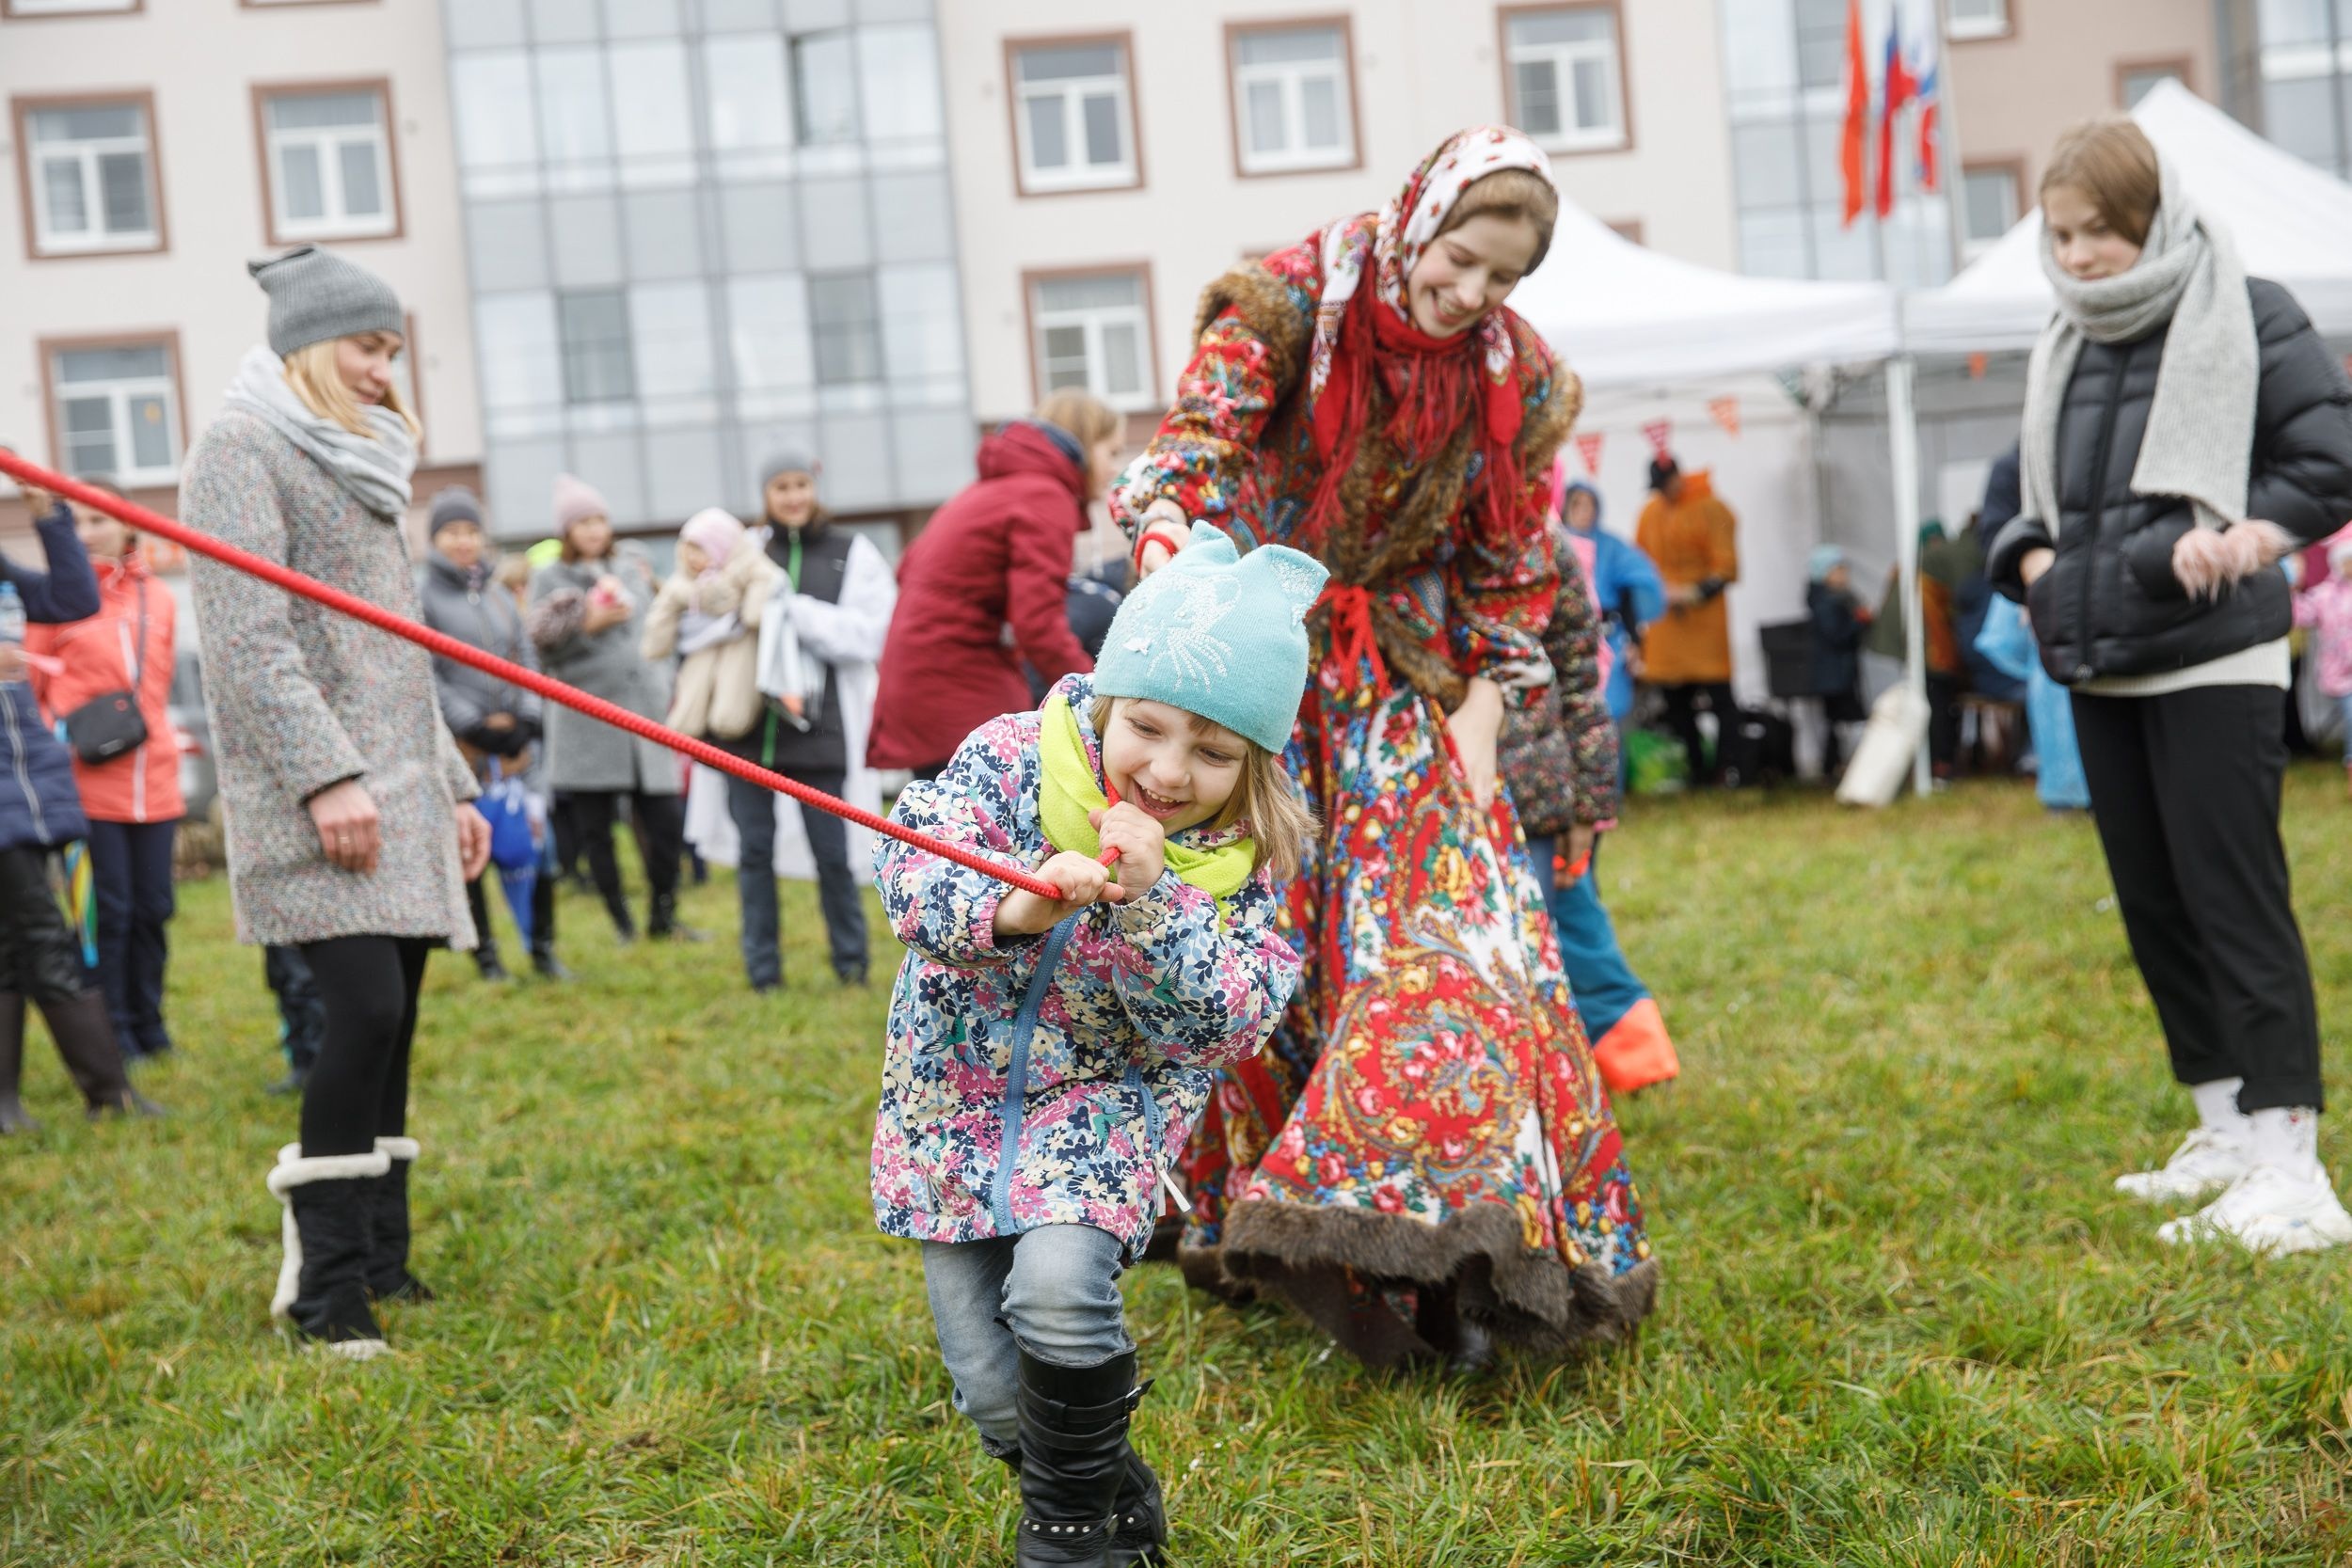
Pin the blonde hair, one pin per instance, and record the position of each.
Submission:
(1279, 823)
(1510, 193)
(1084, 415)
(310, 371)
(2111, 160)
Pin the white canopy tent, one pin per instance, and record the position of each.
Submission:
(1626, 316)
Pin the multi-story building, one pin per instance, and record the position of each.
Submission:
(1107, 168)
(152, 150)
(701, 232)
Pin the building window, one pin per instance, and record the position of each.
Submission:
(1988, 204)
(2305, 48)
(117, 410)
(597, 365)
(68, 8)
(1093, 332)
(824, 89)
(2133, 82)
(1073, 119)
(90, 173)
(845, 323)
(326, 161)
(1566, 71)
(1979, 19)
(1292, 107)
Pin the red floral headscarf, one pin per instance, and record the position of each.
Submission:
(1362, 333)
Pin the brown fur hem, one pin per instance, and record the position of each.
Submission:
(1478, 1259)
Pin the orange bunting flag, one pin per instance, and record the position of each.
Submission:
(1725, 411)
(1979, 360)
(1660, 435)
(1588, 448)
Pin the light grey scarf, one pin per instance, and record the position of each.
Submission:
(376, 471)
(2201, 428)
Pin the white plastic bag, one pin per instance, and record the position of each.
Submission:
(1890, 744)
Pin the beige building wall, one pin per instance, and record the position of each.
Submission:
(2065, 60)
(1422, 69)
(201, 63)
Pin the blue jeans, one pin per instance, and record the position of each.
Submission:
(1052, 1292)
(754, 811)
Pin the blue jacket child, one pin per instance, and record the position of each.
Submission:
(1047, 1058)
(39, 806)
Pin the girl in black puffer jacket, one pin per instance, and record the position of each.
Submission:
(2184, 429)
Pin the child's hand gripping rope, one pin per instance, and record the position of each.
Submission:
(1133, 846)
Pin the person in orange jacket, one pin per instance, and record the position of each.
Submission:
(1695, 540)
(131, 800)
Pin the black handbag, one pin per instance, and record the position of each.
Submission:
(110, 725)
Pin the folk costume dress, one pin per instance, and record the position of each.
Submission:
(1425, 1139)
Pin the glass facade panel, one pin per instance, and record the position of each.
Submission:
(696, 230)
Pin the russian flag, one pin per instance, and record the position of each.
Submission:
(1899, 91)
(1926, 94)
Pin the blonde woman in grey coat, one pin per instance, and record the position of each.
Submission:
(350, 832)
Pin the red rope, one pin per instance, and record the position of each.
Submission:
(554, 690)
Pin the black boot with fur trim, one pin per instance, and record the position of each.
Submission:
(389, 1278)
(323, 1282)
(1074, 1459)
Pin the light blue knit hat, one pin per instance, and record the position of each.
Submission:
(1219, 634)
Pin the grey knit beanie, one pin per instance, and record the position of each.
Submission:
(786, 462)
(455, 504)
(315, 294)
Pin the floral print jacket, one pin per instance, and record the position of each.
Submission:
(1559, 754)
(1010, 1099)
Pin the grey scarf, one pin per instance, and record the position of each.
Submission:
(374, 469)
(2201, 428)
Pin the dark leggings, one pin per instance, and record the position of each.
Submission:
(358, 1089)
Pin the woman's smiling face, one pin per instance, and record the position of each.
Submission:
(1467, 272)
(1176, 767)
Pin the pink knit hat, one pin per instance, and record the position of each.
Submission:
(576, 500)
(715, 533)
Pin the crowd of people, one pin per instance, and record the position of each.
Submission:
(1325, 1006)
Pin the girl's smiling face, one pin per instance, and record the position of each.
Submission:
(1176, 767)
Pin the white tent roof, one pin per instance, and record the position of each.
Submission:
(2292, 222)
(1623, 315)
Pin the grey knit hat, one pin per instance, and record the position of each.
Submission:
(786, 462)
(455, 504)
(315, 294)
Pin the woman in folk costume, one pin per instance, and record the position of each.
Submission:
(1424, 1156)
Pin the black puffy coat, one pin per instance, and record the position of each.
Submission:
(2109, 604)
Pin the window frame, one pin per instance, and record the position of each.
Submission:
(325, 231)
(1139, 268)
(1976, 33)
(2016, 168)
(1558, 147)
(2179, 67)
(167, 338)
(10, 14)
(1342, 24)
(22, 108)
(1124, 40)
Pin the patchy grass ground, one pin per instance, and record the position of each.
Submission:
(1905, 1320)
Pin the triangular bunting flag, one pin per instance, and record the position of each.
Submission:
(1979, 360)
(1588, 448)
(1725, 411)
(1659, 434)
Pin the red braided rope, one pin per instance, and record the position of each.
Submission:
(554, 690)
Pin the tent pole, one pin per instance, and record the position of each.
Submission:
(1903, 439)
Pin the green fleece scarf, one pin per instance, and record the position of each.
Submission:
(1071, 793)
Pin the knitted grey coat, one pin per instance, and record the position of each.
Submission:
(585, 753)
(302, 698)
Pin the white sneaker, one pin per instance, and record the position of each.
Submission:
(2272, 1209)
(2207, 1161)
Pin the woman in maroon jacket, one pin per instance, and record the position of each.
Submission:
(995, 558)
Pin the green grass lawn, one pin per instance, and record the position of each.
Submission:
(1904, 1321)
